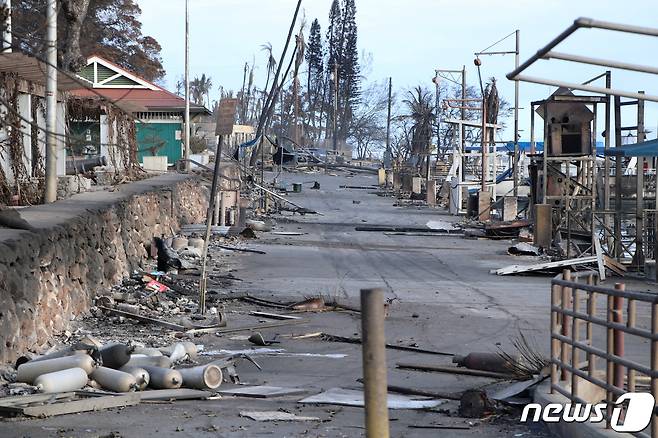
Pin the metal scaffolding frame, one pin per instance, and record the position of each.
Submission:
(588, 23)
(611, 237)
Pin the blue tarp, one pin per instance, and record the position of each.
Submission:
(249, 143)
(647, 148)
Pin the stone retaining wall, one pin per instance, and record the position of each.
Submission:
(83, 245)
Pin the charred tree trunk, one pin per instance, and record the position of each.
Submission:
(75, 12)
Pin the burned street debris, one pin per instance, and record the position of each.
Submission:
(301, 250)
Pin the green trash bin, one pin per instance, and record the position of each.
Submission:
(296, 187)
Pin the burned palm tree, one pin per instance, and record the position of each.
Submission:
(421, 112)
(271, 63)
(492, 101)
(200, 89)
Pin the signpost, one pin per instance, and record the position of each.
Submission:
(225, 121)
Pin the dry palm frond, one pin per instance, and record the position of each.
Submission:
(526, 360)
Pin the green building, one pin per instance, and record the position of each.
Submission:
(159, 114)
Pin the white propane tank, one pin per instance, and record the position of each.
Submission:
(29, 371)
(114, 380)
(202, 377)
(70, 379)
(138, 360)
(146, 351)
(141, 376)
(164, 378)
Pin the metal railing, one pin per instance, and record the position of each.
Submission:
(575, 321)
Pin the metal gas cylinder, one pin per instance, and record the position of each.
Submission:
(202, 377)
(141, 376)
(61, 381)
(114, 380)
(485, 362)
(115, 355)
(164, 378)
(140, 360)
(29, 371)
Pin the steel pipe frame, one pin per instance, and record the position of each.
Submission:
(613, 355)
(595, 24)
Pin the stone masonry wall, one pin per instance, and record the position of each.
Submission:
(46, 278)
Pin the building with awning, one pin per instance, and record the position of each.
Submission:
(158, 114)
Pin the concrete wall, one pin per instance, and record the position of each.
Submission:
(84, 244)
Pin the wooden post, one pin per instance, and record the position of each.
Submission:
(374, 363)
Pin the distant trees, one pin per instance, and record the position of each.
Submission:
(315, 82)
(367, 131)
(343, 78)
(108, 28)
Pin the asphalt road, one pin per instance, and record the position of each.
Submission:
(442, 298)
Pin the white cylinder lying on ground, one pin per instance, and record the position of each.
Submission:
(202, 377)
(141, 376)
(29, 371)
(137, 360)
(114, 380)
(147, 351)
(70, 379)
(164, 378)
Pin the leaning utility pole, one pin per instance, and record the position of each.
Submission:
(6, 27)
(187, 88)
(51, 102)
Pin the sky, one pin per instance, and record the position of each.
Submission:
(409, 39)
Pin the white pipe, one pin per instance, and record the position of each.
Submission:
(51, 102)
(575, 86)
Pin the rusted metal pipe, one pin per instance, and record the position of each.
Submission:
(374, 363)
(618, 336)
